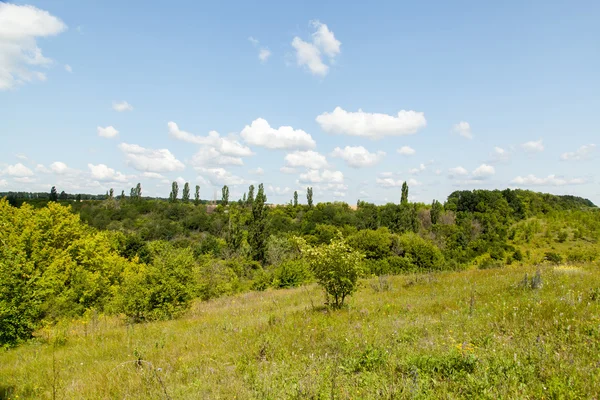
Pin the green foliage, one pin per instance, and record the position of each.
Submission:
(291, 273)
(309, 197)
(423, 254)
(185, 196)
(336, 266)
(436, 211)
(257, 232)
(404, 197)
(553, 257)
(562, 236)
(174, 192)
(225, 195)
(373, 244)
(295, 198)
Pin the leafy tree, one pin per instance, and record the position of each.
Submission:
(197, 195)
(225, 195)
(404, 198)
(250, 198)
(63, 195)
(435, 211)
(122, 195)
(336, 266)
(257, 235)
(78, 198)
(185, 196)
(53, 194)
(309, 197)
(174, 192)
(111, 193)
(295, 198)
(138, 191)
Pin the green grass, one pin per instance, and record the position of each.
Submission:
(470, 334)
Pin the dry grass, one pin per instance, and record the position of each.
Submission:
(470, 334)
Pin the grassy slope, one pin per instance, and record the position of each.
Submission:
(446, 335)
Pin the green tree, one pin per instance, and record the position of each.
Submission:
(225, 195)
(185, 196)
(435, 212)
(111, 193)
(404, 198)
(295, 198)
(258, 226)
(336, 266)
(138, 191)
(122, 195)
(309, 196)
(174, 192)
(63, 195)
(197, 195)
(250, 198)
(53, 194)
(78, 198)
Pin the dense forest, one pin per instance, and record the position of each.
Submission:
(65, 255)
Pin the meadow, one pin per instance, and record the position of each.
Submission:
(512, 332)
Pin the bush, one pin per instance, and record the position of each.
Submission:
(291, 273)
(553, 257)
(375, 245)
(423, 254)
(562, 236)
(336, 267)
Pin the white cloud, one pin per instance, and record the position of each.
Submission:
(257, 171)
(499, 155)
(309, 159)
(254, 41)
(25, 179)
(279, 191)
(417, 170)
(534, 146)
(260, 133)
(371, 125)
(152, 175)
(358, 156)
(220, 176)
(20, 26)
(339, 194)
(326, 176)
(3, 182)
(310, 55)
(288, 170)
(59, 167)
(208, 156)
(581, 153)
(68, 68)
(181, 182)
(457, 171)
(550, 180)
(224, 145)
(406, 151)
(391, 182)
(483, 171)
(264, 54)
(150, 160)
(108, 132)
(102, 172)
(463, 129)
(41, 168)
(122, 106)
(17, 170)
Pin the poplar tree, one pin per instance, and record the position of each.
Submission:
(185, 196)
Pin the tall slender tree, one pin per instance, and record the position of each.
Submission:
(111, 193)
(185, 196)
(309, 196)
(53, 194)
(197, 195)
(435, 212)
(122, 195)
(250, 198)
(295, 198)
(257, 237)
(404, 198)
(174, 192)
(138, 191)
(225, 195)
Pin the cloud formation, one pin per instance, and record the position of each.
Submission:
(108, 132)
(550, 180)
(358, 156)
(150, 160)
(310, 55)
(463, 129)
(581, 153)
(122, 106)
(260, 133)
(533, 146)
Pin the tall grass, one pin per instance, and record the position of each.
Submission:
(469, 334)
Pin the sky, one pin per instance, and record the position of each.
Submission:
(350, 98)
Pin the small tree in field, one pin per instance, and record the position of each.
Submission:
(337, 267)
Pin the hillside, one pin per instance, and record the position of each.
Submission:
(474, 334)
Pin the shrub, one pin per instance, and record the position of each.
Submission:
(336, 266)
(517, 255)
(553, 257)
(291, 273)
(424, 254)
(562, 236)
(375, 245)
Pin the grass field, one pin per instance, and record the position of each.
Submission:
(470, 334)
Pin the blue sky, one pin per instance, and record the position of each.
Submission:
(477, 94)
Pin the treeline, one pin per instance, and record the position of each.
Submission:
(147, 259)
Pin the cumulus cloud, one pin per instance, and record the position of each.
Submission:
(257, 171)
(406, 151)
(534, 146)
(550, 180)
(150, 160)
(122, 106)
(499, 155)
(209, 156)
(260, 133)
(153, 175)
(463, 128)
(3, 182)
(457, 171)
(358, 156)
(224, 145)
(102, 172)
(325, 176)
(20, 27)
(391, 182)
(581, 153)
(18, 170)
(220, 176)
(288, 170)
(68, 68)
(108, 132)
(279, 190)
(371, 125)
(309, 55)
(59, 167)
(483, 171)
(418, 169)
(309, 159)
